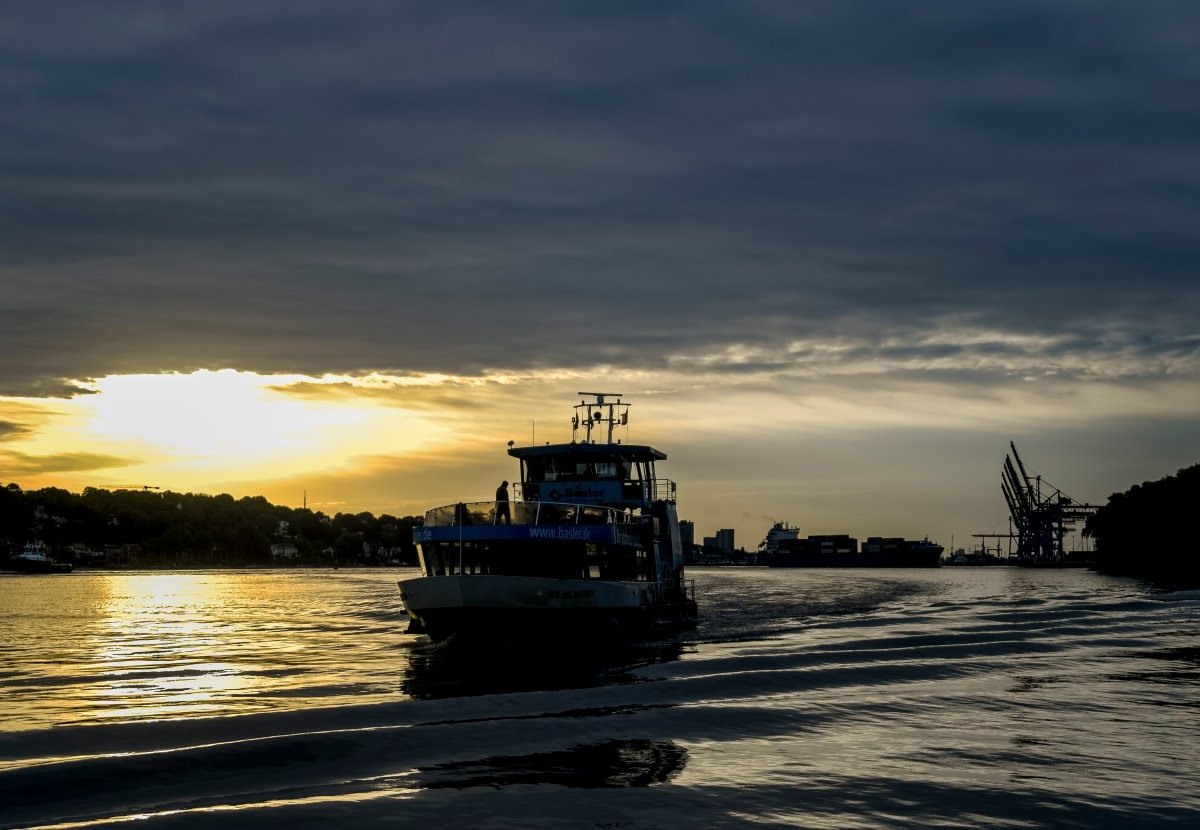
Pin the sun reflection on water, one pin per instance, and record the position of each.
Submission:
(112, 647)
(154, 652)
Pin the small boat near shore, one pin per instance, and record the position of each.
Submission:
(591, 548)
(35, 559)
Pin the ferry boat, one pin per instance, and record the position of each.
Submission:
(591, 546)
(34, 559)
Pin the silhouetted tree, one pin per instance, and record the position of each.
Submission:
(194, 528)
(1148, 530)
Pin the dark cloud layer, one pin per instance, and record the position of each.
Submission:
(357, 186)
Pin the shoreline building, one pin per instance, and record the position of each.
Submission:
(724, 540)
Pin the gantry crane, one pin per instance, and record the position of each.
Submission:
(1041, 514)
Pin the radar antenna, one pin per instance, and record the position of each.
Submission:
(592, 415)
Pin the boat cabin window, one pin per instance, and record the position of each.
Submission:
(551, 469)
(607, 469)
(565, 561)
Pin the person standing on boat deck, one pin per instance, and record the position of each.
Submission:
(502, 504)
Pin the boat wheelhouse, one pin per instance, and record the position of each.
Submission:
(591, 543)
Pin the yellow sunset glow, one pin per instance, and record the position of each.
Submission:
(210, 427)
(214, 417)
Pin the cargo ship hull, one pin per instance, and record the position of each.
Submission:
(913, 559)
(784, 548)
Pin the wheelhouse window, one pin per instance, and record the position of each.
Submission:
(574, 469)
(569, 560)
(607, 470)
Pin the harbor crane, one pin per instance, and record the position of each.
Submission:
(1041, 514)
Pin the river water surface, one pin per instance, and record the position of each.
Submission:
(956, 697)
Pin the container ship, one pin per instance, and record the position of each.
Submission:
(784, 548)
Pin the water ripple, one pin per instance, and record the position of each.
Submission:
(968, 698)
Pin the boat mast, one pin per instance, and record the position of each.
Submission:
(592, 415)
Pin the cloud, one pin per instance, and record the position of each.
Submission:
(10, 430)
(429, 393)
(22, 464)
(401, 485)
(697, 190)
(20, 421)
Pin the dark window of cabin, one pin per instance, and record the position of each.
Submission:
(565, 561)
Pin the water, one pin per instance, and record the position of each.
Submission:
(970, 697)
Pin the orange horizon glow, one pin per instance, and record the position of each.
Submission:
(746, 449)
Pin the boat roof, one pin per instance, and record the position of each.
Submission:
(633, 452)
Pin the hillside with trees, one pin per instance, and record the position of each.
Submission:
(149, 529)
(1150, 529)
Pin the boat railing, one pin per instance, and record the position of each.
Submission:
(660, 489)
(526, 513)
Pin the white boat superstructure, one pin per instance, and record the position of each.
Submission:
(779, 532)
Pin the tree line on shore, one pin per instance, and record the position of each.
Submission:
(167, 529)
(1149, 530)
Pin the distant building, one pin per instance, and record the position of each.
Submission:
(687, 533)
(724, 539)
(122, 555)
(284, 550)
(83, 554)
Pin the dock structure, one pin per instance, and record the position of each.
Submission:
(1040, 514)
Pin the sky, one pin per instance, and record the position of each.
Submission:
(837, 254)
